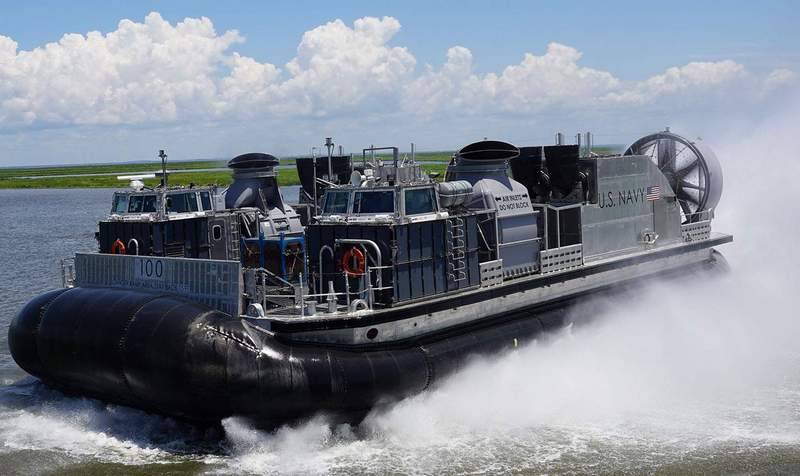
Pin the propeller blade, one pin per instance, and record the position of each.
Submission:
(687, 210)
(690, 185)
(653, 149)
(670, 164)
(681, 173)
(690, 198)
(666, 152)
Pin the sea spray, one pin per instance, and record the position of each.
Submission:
(665, 373)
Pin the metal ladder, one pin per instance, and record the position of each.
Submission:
(234, 243)
(456, 250)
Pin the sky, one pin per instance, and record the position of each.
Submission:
(117, 81)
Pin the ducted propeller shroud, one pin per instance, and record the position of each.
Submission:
(691, 168)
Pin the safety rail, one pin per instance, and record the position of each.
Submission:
(215, 283)
(299, 300)
(68, 272)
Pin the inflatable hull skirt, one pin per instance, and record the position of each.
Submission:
(170, 356)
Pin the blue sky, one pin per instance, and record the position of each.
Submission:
(632, 39)
(749, 45)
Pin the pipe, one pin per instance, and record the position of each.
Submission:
(321, 275)
(133, 241)
(588, 143)
(358, 305)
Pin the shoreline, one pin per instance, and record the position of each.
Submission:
(182, 173)
(184, 178)
(200, 172)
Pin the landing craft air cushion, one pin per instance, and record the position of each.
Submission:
(380, 283)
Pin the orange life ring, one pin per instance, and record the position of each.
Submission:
(360, 262)
(118, 248)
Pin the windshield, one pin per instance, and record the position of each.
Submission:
(182, 203)
(381, 201)
(149, 204)
(419, 201)
(206, 199)
(135, 204)
(336, 202)
(120, 204)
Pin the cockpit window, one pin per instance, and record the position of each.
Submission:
(149, 205)
(206, 199)
(120, 203)
(336, 202)
(380, 201)
(135, 204)
(182, 202)
(419, 200)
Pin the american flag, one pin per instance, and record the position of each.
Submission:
(653, 193)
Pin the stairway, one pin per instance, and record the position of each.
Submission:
(456, 250)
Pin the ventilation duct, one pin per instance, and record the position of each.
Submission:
(254, 182)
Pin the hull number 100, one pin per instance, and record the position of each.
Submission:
(149, 269)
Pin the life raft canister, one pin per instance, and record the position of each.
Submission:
(354, 262)
(118, 248)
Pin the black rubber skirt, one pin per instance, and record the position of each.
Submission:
(167, 355)
(164, 354)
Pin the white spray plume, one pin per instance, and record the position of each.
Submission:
(662, 372)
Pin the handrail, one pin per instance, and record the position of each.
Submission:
(703, 215)
(273, 275)
(372, 244)
(321, 250)
(67, 272)
(289, 296)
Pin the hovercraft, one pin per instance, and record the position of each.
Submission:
(382, 281)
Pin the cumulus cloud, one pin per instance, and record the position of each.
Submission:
(779, 78)
(536, 83)
(693, 77)
(155, 71)
(140, 72)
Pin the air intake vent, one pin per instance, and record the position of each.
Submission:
(254, 183)
(488, 150)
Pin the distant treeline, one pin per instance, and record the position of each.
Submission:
(52, 177)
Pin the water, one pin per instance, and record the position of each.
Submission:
(698, 376)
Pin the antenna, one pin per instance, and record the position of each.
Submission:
(163, 158)
(314, 163)
(329, 145)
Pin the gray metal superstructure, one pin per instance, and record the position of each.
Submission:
(616, 220)
(504, 218)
